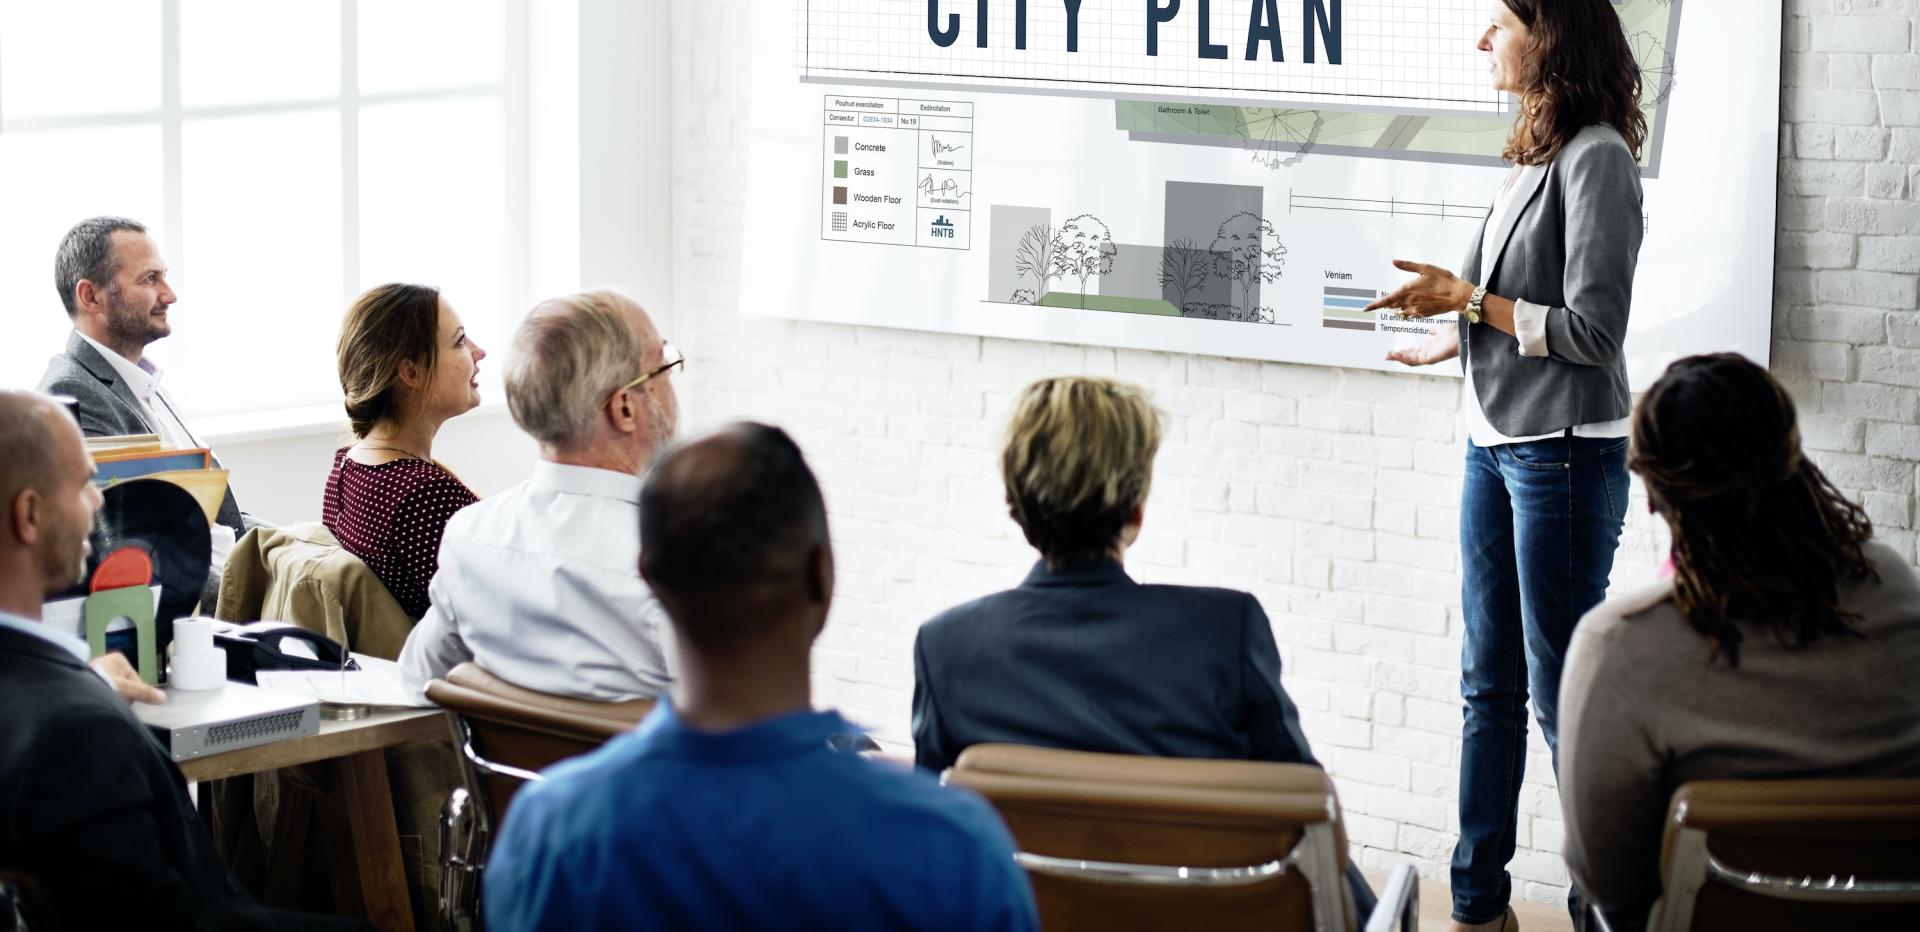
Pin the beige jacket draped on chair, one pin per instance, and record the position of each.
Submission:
(301, 575)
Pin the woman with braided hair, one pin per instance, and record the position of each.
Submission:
(1783, 645)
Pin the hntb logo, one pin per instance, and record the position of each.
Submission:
(942, 227)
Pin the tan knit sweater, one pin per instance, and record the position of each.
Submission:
(1643, 710)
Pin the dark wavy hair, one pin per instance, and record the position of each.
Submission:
(1583, 73)
(1759, 533)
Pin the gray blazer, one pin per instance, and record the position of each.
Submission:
(1571, 244)
(108, 407)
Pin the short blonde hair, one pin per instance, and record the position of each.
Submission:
(1078, 461)
(568, 356)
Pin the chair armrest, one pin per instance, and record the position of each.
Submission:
(1399, 906)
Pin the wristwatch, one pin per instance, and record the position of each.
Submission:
(1472, 311)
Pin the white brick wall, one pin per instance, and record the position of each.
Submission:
(1330, 494)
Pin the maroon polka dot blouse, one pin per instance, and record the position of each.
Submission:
(391, 516)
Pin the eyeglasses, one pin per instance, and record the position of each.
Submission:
(673, 358)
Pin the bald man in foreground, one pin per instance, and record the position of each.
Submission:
(733, 806)
(95, 811)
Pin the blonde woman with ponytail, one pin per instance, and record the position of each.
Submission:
(407, 365)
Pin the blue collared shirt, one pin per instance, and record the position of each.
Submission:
(763, 827)
(66, 642)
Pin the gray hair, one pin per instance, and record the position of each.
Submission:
(86, 252)
(568, 356)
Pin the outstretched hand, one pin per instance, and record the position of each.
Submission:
(1443, 345)
(1434, 290)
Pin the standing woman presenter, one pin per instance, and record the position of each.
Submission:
(1543, 297)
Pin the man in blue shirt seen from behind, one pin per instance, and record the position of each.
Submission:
(730, 806)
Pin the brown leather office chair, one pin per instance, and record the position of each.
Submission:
(1123, 842)
(504, 735)
(1791, 854)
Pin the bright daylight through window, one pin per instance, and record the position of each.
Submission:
(285, 156)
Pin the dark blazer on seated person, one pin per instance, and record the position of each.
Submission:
(1089, 660)
(96, 812)
(108, 408)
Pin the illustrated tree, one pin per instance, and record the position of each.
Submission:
(1184, 266)
(1242, 257)
(1083, 248)
(1034, 256)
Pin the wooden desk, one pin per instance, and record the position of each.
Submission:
(380, 730)
(366, 868)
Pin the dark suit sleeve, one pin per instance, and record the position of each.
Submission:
(1272, 722)
(87, 803)
(93, 420)
(930, 746)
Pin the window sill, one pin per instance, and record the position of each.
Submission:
(284, 423)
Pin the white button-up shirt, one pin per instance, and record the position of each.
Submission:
(541, 585)
(143, 379)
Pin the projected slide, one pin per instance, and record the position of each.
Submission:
(1229, 177)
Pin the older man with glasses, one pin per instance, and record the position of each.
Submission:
(537, 584)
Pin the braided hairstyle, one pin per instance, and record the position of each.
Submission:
(1759, 533)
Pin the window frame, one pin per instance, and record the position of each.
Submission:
(512, 92)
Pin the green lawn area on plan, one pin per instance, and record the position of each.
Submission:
(1104, 302)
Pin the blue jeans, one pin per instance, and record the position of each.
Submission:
(1539, 523)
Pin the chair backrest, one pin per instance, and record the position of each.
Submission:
(1791, 854)
(1123, 842)
(506, 734)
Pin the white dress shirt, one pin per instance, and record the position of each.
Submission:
(143, 379)
(1529, 328)
(541, 585)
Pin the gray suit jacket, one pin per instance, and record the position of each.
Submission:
(1571, 244)
(108, 407)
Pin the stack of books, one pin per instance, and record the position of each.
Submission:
(143, 456)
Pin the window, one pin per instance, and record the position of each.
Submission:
(285, 156)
